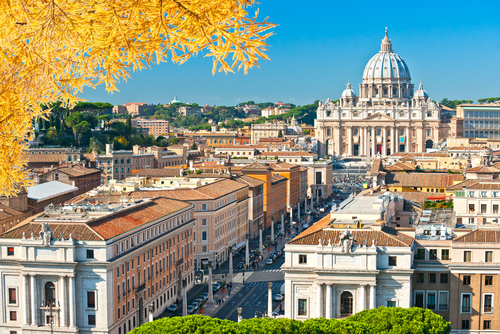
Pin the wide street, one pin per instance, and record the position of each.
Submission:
(250, 288)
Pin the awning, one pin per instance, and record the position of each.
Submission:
(239, 246)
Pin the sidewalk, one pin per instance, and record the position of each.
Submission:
(213, 308)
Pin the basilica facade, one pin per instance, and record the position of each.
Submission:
(387, 117)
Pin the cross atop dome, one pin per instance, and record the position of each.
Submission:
(386, 43)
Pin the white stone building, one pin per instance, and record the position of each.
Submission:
(335, 272)
(95, 268)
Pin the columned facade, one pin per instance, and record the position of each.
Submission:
(379, 121)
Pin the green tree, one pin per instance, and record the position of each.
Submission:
(194, 147)
(128, 126)
(73, 119)
(81, 128)
(173, 141)
(280, 134)
(96, 144)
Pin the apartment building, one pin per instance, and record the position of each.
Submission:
(83, 178)
(134, 108)
(96, 267)
(189, 111)
(274, 188)
(221, 213)
(292, 174)
(477, 202)
(156, 127)
(277, 143)
(319, 178)
(240, 151)
(267, 130)
(163, 156)
(255, 204)
(293, 157)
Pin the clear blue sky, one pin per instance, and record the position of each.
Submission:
(453, 47)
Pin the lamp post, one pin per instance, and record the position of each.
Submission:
(210, 290)
(270, 298)
(272, 231)
(230, 253)
(240, 317)
(151, 309)
(260, 238)
(184, 297)
(262, 314)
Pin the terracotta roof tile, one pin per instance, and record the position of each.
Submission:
(252, 182)
(483, 169)
(55, 158)
(480, 236)
(376, 166)
(436, 180)
(278, 178)
(7, 212)
(459, 186)
(255, 167)
(158, 172)
(76, 171)
(400, 166)
(287, 154)
(417, 197)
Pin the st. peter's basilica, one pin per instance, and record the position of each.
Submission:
(388, 116)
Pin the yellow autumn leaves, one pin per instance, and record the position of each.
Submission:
(51, 49)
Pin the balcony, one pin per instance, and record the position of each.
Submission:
(140, 288)
(465, 309)
(178, 263)
(488, 309)
(443, 307)
(431, 306)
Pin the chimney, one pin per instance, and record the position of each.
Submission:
(191, 165)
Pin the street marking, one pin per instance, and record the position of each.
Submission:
(234, 309)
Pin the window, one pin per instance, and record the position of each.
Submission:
(495, 206)
(488, 256)
(488, 280)
(445, 254)
(467, 256)
(13, 316)
(302, 259)
(466, 303)
(204, 249)
(302, 306)
(432, 254)
(420, 254)
(391, 303)
(204, 207)
(483, 207)
(50, 294)
(466, 280)
(431, 300)
(91, 299)
(488, 303)
(12, 296)
(91, 319)
(419, 299)
(204, 235)
(465, 324)
(393, 260)
(443, 300)
(443, 278)
(10, 251)
(487, 324)
(90, 253)
(420, 278)
(432, 278)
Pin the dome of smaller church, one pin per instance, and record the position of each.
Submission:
(348, 92)
(421, 92)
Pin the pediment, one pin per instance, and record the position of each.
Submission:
(379, 117)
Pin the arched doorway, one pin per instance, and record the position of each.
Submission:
(429, 144)
(346, 304)
(141, 305)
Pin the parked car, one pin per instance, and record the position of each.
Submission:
(195, 305)
(269, 261)
(215, 287)
(240, 265)
(205, 295)
(172, 308)
(278, 297)
(199, 300)
(190, 309)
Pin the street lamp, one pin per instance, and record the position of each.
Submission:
(262, 314)
(184, 297)
(239, 314)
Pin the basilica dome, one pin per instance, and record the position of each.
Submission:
(348, 92)
(386, 64)
(421, 93)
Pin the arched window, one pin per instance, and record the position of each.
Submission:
(356, 131)
(346, 304)
(328, 132)
(379, 132)
(476, 124)
(402, 132)
(50, 294)
(466, 124)
(496, 134)
(481, 124)
(476, 134)
(481, 134)
(466, 133)
(491, 124)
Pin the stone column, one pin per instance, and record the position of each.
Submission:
(349, 135)
(283, 219)
(420, 141)
(210, 290)
(372, 297)
(328, 301)
(374, 141)
(363, 298)
(272, 231)
(247, 251)
(63, 301)
(291, 215)
(393, 140)
(408, 139)
(269, 299)
(260, 239)
(184, 297)
(396, 141)
(366, 143)
(72, 310)
(26, 311)
(334, 300)
(337, 132)
(319, 300)
(34, 302)
(384, 141)
(298, 214)
(230, 275)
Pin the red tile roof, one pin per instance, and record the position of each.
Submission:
(480, 236)
(433, 180)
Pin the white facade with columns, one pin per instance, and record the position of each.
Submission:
(387, 116)
(334, 273)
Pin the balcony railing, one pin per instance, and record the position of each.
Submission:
(443, 307)
(431, 306)
(488, 309)
(465, 309)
